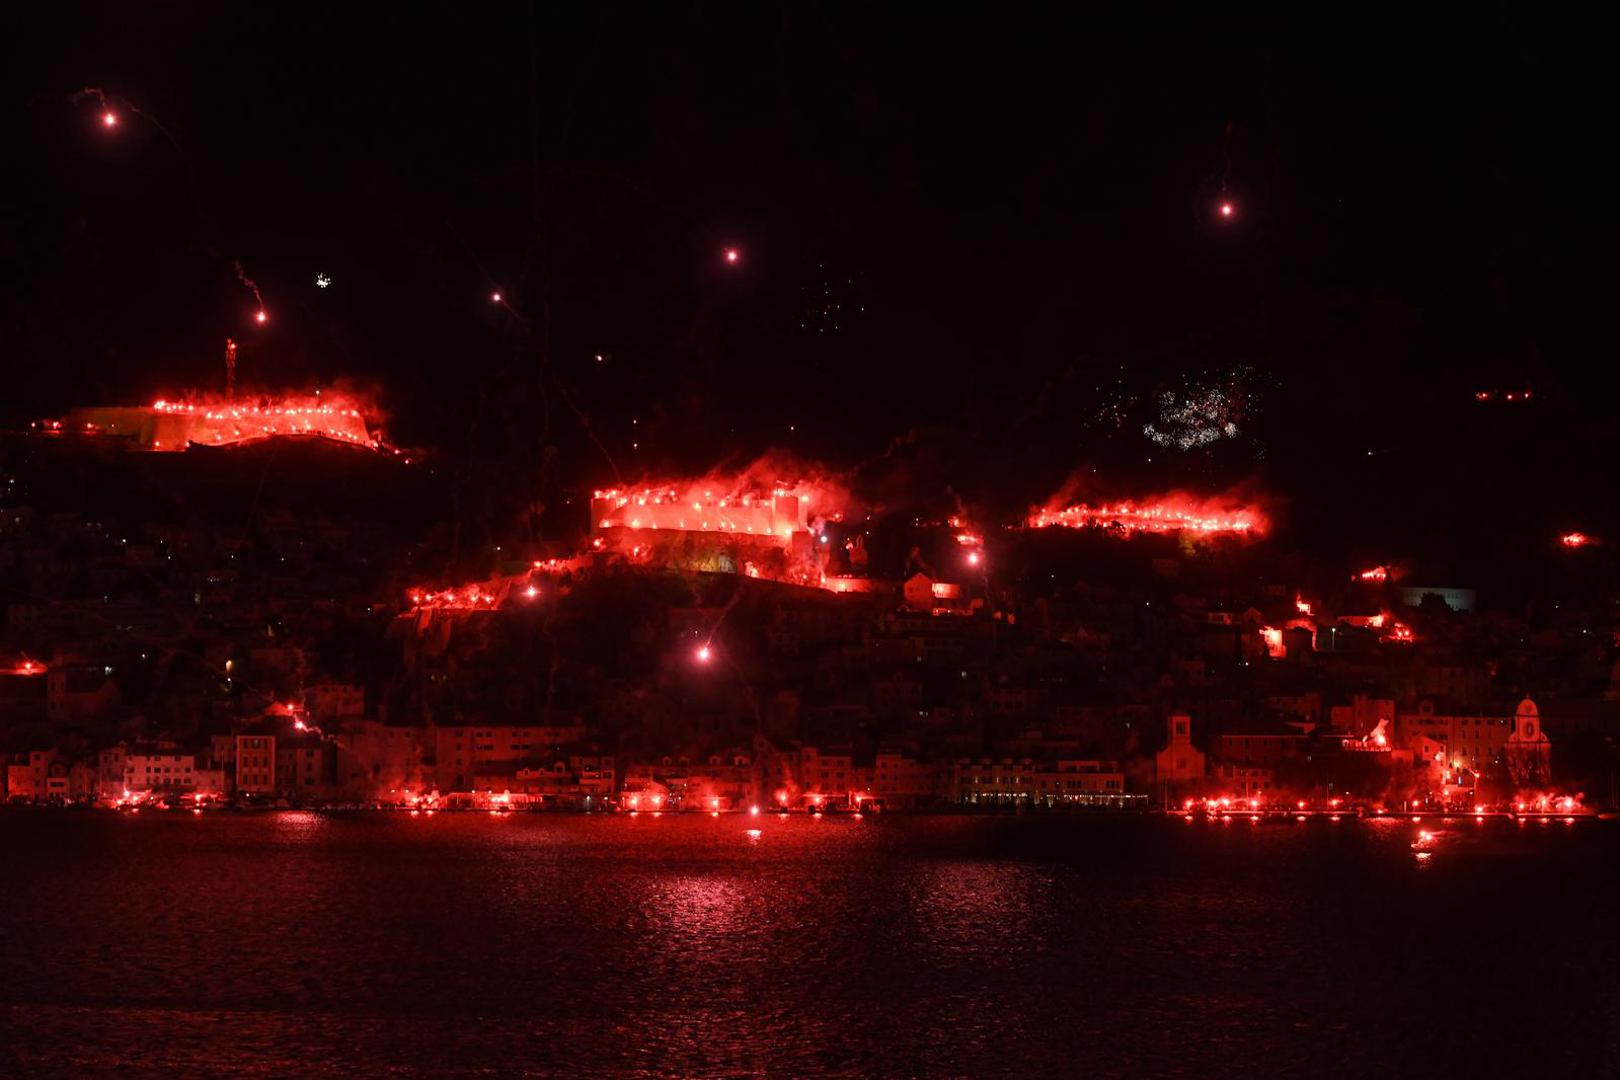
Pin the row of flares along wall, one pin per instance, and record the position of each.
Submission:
(174, 426)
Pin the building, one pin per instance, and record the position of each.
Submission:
(79, 692)
(1476, 742)
(723, 782)
(461, 753)
(110, 763)
(1528, 751)
(330, 701)
(987, 781)
(826, 775)
(159, 771)
(1263, 750)
(256, 764)
(1180, 763)
(1247, 778)
(304, 767)
(382, 761)
(1361, 715)
(25, 777)
(904, 783)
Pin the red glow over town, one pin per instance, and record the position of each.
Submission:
(1169, 514)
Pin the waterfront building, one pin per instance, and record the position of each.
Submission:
(1180, 763)
(256, 764)
(1528, 751)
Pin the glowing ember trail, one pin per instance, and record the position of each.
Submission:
(176, 425)
(1170, 514)
(493, 593)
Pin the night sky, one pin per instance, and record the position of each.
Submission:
(968, 250)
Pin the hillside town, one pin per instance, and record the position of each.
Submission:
(828, 662)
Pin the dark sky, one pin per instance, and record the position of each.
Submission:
(1013, 211)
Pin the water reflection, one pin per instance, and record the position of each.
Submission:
(955, 902)
(694, 906)
(594, 946)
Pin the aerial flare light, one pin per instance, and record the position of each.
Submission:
(1227, 210)
(261, 317)
(703, 654)
(1575, 539)
(109, 119)
(732, 256)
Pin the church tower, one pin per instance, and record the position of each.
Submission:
(1529, 754)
